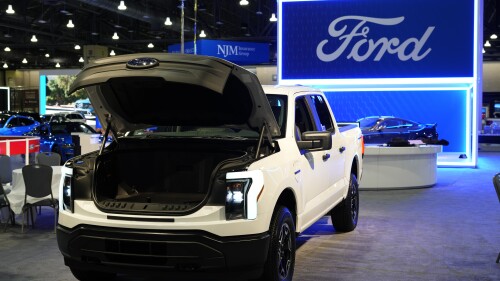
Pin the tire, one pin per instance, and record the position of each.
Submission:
(345, 215)
(87, 275)
(281, 256)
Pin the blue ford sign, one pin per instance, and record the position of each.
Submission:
(376, 39)
(243, 53)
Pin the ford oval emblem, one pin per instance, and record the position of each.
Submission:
(142, 63)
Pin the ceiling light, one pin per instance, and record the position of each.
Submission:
(202, 34)
(259, 13)
(47, 55)
(7, 49)
(122, 6)
(5, 65)
(493, 36)
(150, 45)
(243, 2)
(487, 44)
(9, 10)
(168, 21)
(77, 47)
(81, 59)
(484, 51)
(58, 65)
(112, 53)
(115, 36)
(24, 60)
(33, 39)
(42, 21)
(273, 18)
(70, 24)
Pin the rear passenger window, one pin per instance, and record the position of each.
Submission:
(324, 115)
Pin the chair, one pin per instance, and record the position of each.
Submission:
(48, 158)
(4, 203)
(5, 172)
(496, 183)
(38, 182)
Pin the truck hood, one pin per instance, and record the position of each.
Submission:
(159, 89)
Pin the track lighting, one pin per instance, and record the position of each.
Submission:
(122, 6)
(9, 10)
(273, 18)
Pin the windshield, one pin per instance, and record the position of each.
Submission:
(192, 131)
(368, 122)
(278, 106)
(3, 119)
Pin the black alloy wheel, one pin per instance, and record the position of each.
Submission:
(345, 215)
(281, 255)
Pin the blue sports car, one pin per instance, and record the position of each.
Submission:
(382, 129)
(16, 125)
(56, 137)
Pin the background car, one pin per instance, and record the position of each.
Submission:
(73, 116)
(56, 137)
(382, 129)
(16, 125)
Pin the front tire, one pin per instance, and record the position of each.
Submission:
(345, 215)
(281, 256)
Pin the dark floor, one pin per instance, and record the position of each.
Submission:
(448, 232)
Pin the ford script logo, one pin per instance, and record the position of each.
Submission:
(142, 63)
(356, 44)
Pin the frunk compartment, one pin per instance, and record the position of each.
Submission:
(153, 180)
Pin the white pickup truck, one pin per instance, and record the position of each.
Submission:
(209, 173)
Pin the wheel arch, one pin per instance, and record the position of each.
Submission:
(355, 167)
(287, 199)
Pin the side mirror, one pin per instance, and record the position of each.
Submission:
(316, 140)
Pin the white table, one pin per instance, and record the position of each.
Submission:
(399, 167)
(16, 196)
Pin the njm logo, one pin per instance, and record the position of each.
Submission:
(227, 50)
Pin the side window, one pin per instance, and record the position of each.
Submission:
(13, 123)
(25, 122)
(303, 121)
(324, 115)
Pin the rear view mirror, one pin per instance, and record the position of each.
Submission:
(315, 140)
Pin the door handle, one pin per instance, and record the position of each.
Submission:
(326, 156)
(341, 149)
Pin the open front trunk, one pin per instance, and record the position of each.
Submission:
(174, 178)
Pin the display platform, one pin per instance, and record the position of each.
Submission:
(399, 167)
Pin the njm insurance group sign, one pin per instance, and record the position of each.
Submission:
(369, 39)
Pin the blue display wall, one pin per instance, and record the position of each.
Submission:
(446, 108)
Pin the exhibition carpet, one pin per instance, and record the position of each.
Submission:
(447, 232)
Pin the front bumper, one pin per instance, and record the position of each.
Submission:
(138, 251)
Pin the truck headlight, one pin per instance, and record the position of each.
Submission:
(235, 198)
(66, 194)
(242, 192)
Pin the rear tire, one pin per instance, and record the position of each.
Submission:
(281, 256)
(345, 215)
(87, 275)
